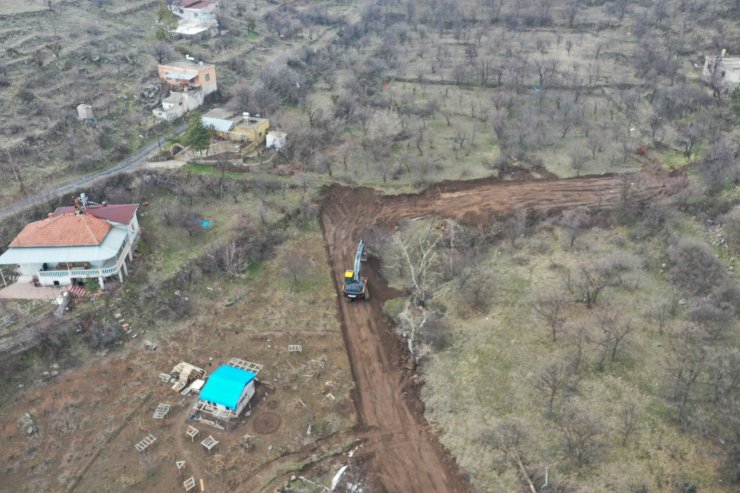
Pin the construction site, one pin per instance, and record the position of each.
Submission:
(369, 247)
(256, 430)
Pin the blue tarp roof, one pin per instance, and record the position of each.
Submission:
(225, 386)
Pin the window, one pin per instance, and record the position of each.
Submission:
(208, 77)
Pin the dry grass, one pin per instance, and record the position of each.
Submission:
(487, 377)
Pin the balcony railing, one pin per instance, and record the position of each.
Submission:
(91, 272)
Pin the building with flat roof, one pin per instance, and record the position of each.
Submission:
(197, 17)
(244, 128)
(189, 83)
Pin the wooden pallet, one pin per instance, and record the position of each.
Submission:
(145, 442)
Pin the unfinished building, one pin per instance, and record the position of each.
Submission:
(722, 72)
(226, 394)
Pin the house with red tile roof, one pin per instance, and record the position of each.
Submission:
(87, 241)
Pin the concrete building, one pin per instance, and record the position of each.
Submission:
(275, 140)
(722, 72)
(245, 128)
(75, 243)
(197, 17)
(189, 84)
(179, 103)
(186, 74)
(85, 112)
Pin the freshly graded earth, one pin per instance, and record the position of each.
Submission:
(404, 453)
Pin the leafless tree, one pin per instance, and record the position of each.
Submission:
(581, 433)
(478, 290)
(551, 382)
(720, 166)
(163, 52)
(684, 364)
(418, 255)
(234, 259)
(592, 279)
(295, 264)
(629, 419)
(510, 438)
(612, 335)
(515, 225)
(572, 7)
(573, 221)
(550, 308)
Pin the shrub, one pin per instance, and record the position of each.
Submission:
(103, 334)
(695, 268)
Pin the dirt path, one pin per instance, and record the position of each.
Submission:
(405, 455)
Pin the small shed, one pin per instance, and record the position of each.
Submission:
(84, 112)
(275, 140)
(229, 388)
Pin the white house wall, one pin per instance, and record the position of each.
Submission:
(133, 230)
(246, 397)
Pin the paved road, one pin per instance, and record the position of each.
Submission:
(131, 163)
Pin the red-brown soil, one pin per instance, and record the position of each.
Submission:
(405, 456)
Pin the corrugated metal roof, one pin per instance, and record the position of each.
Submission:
(226, 385)
(38, 255)
(118, 213)
(217, 124)
(181, 75)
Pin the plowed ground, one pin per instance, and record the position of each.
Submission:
(404, 454)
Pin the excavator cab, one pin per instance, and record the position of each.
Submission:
(355, 284)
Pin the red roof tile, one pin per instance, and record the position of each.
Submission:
(118, 213)
(64, 230)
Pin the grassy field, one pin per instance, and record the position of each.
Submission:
(508, 347)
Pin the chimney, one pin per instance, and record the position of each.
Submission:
(50, 215)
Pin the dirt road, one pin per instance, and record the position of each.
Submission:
(405, 456)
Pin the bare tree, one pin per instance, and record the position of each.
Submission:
(550, 307)
(478, 289)
(592, 279)
(613, 332)
(234, 259)
(684, 365)
(163, 52)
(629, 418)
(573, 221)
(551, 382)
(418, 255)
(515, 225)
(295, 264)
(581, 433)
(510, 438)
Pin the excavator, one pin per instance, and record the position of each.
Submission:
(355, 285)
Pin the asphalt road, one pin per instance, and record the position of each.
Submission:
(131, 163)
